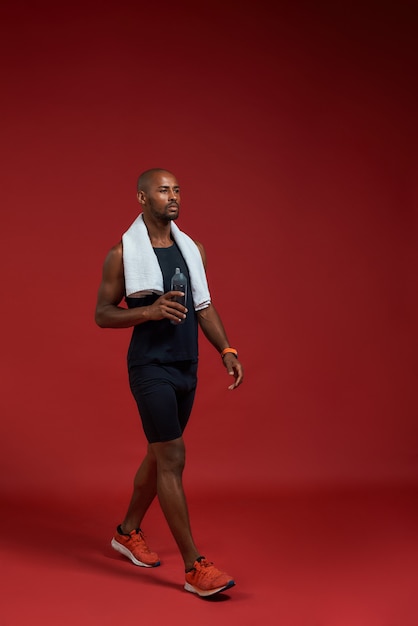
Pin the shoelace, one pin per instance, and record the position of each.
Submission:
(207, 568)
(139, 539)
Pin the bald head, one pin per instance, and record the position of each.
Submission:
(159, 195)
(146, 178)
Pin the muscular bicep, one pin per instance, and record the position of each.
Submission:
(112, 286)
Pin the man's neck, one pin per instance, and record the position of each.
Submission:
(159, 232)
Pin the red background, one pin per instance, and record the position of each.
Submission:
(292, 131)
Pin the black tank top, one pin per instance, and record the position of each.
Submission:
(160, 341)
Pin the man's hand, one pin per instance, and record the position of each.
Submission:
(234, 368)
(165, 307)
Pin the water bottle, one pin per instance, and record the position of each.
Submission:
(179, 283)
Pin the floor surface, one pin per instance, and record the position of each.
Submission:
(318, 558)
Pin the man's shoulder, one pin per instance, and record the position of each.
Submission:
(115, 254)
(201, 250)
(116, 250)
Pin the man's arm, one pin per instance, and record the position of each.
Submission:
(213, 329)
(112, 290)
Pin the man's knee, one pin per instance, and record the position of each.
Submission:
(170, 455)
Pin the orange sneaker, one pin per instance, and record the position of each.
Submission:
(134, 547)
(206, 580)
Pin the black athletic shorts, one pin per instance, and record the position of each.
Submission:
(164, 395)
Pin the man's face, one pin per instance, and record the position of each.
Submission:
(161, 200)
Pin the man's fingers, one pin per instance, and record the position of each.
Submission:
(237, 372)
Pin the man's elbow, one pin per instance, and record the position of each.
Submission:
(100, 319)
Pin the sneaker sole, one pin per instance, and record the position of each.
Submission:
(120, 548)
(204, 593)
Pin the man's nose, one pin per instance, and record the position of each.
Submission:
(173, 194)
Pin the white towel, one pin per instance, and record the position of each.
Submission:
(143, 273)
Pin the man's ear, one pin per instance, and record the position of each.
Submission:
(141, 197)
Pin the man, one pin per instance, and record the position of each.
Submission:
(162, 364)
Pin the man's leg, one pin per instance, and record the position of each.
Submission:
(144, 492)
(170, 458)
(129, 539)
(202, 577)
